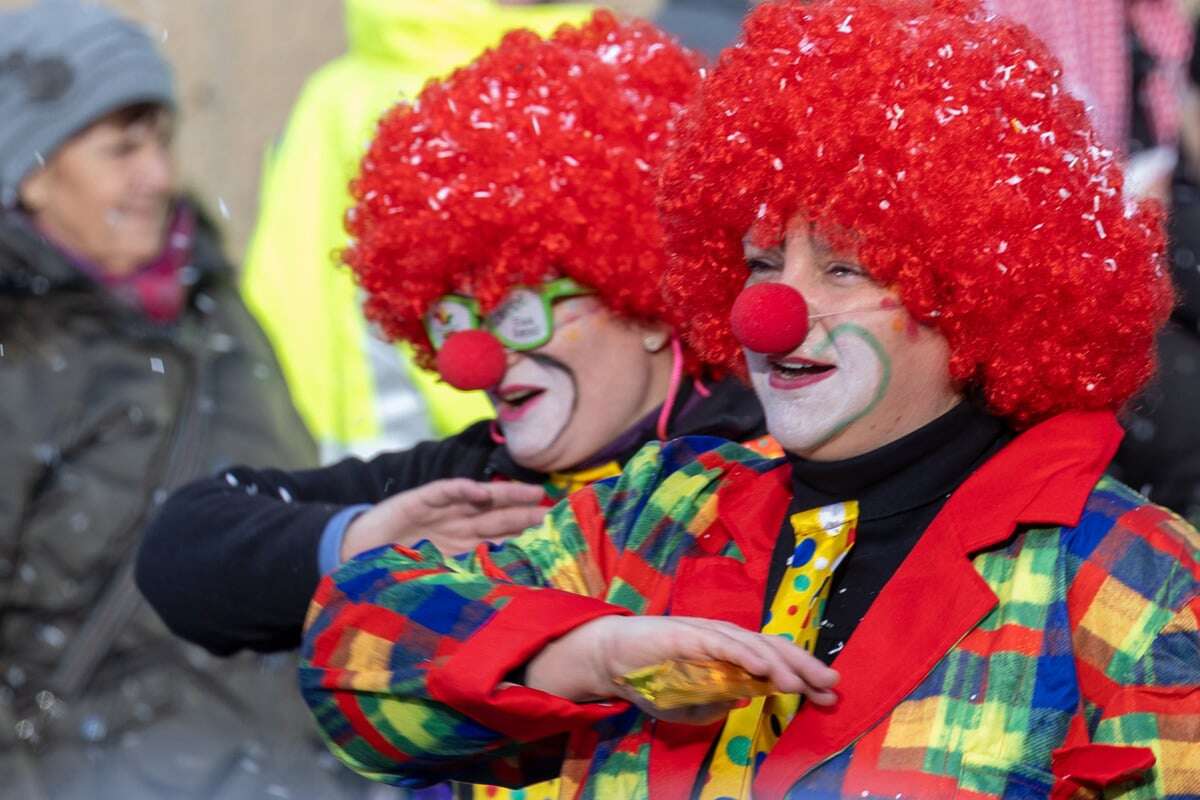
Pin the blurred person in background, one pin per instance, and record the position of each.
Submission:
(359, 394)
(705, 25)
(128, 366)
(1189, 122)
(1127, 59)
(1163, 451)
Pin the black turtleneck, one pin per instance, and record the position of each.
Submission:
(900, 488)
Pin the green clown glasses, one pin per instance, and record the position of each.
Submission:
(523, 321)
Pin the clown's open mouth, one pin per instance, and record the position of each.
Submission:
(514, 401)
(794, 373)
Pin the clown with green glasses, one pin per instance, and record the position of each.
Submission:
(518, 251)
(516, 248)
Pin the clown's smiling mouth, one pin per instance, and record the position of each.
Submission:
(514, 401)
(796, 373)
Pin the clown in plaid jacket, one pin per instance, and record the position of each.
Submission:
(1042, 639)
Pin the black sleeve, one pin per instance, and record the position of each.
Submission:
(1160, 456)
(230, 562)
(1194, 66)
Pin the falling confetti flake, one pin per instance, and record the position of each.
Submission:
(156, 364)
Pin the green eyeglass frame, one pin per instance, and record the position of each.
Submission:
(513, 322)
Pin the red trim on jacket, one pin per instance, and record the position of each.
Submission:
(469, 681)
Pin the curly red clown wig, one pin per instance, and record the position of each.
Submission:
(532, 162)
(939, 145)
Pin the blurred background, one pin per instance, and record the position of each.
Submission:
(230, 119)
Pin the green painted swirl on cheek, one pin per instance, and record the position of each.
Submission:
(885, 363)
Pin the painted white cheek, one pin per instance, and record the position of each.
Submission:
(539, 428)
(802, 423)
(804, 419)
(864, 374)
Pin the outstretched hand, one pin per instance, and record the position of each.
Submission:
(455, 514)
(584, 665)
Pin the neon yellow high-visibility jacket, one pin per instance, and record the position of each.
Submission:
(355, 393)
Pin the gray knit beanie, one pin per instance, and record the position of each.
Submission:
(64, 65)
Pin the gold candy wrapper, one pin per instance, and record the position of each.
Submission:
(678, 684)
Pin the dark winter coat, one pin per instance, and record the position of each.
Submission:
(102, 414)
(1161, 454)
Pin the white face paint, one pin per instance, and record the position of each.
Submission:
(866, 374)
(806, 409)
(534, 405)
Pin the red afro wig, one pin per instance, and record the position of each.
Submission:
(938, 144)
(534, 161)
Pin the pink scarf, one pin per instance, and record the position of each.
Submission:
(156, 288)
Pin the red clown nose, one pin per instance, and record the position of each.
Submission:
(472, 360)
(770, 318)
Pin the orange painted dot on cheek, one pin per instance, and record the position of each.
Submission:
(576, 327)
(906, 323)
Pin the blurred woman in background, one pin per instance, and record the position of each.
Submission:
(128, 366)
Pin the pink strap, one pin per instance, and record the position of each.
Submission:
(672, 392)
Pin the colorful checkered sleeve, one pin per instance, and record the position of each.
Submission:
(406, 653)
(1138, 647)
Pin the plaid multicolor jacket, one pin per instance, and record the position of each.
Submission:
(1042, 640)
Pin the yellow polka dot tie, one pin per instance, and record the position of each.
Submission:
(823, 537)
(567, 482)
(541, 791)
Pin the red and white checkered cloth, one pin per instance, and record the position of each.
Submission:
(1089, 37)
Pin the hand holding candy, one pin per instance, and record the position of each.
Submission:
(590, 662)
(678, 683)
